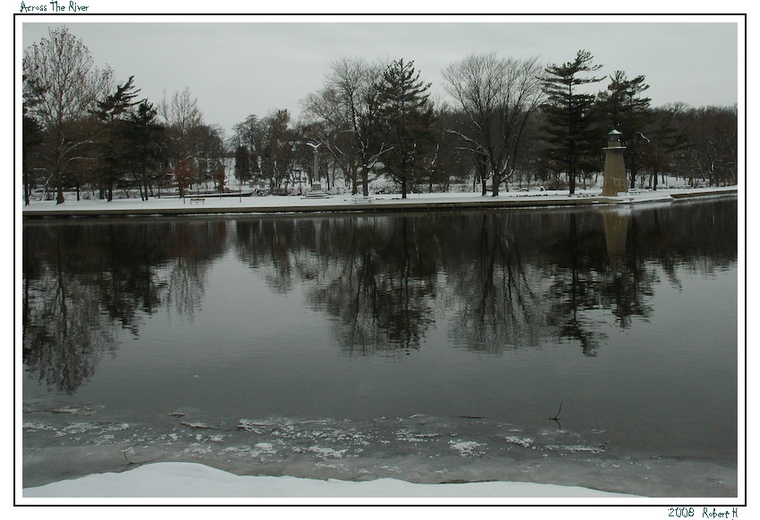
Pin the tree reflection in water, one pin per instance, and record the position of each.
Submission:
(495, 280)
(84, 281)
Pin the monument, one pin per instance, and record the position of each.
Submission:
(614, 166)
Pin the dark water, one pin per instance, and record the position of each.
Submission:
(428, 347)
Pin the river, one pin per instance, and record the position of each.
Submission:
(593, 347)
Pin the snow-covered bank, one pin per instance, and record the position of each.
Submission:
(199, 482)
(348, 203)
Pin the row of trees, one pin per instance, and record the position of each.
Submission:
(82, 129)
(509, 122)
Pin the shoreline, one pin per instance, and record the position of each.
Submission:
(427, 202)
(196, 481)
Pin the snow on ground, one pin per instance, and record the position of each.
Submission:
(196, 483)
(271, 203)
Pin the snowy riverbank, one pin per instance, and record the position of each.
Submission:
(198, 483)
(209, 204)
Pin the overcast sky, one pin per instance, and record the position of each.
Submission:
(237, 66)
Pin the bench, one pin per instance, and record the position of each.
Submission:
(197, 200)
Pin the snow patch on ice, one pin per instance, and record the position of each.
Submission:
(525, 442)
(574, 448)
(37, 427)
(407, 436)
(87, 427)
(266, 448)
(466, 448)
(196, 448)
(327, 452)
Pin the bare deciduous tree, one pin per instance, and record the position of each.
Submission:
(346, 111)
(182, 112)
(62, 67)
(497, 96)
(190, 137)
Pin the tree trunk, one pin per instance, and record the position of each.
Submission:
(59, 190)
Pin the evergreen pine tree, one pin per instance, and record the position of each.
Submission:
(627, 111)
(144, 137)
(572, 138)
(114, 149)
(243, 164)
(407, 117)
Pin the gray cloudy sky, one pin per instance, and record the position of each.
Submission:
(242, 65)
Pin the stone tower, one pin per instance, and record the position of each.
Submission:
(614, 166)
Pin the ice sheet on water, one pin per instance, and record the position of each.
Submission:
(415, 448)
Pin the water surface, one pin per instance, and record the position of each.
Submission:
(429, 347)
